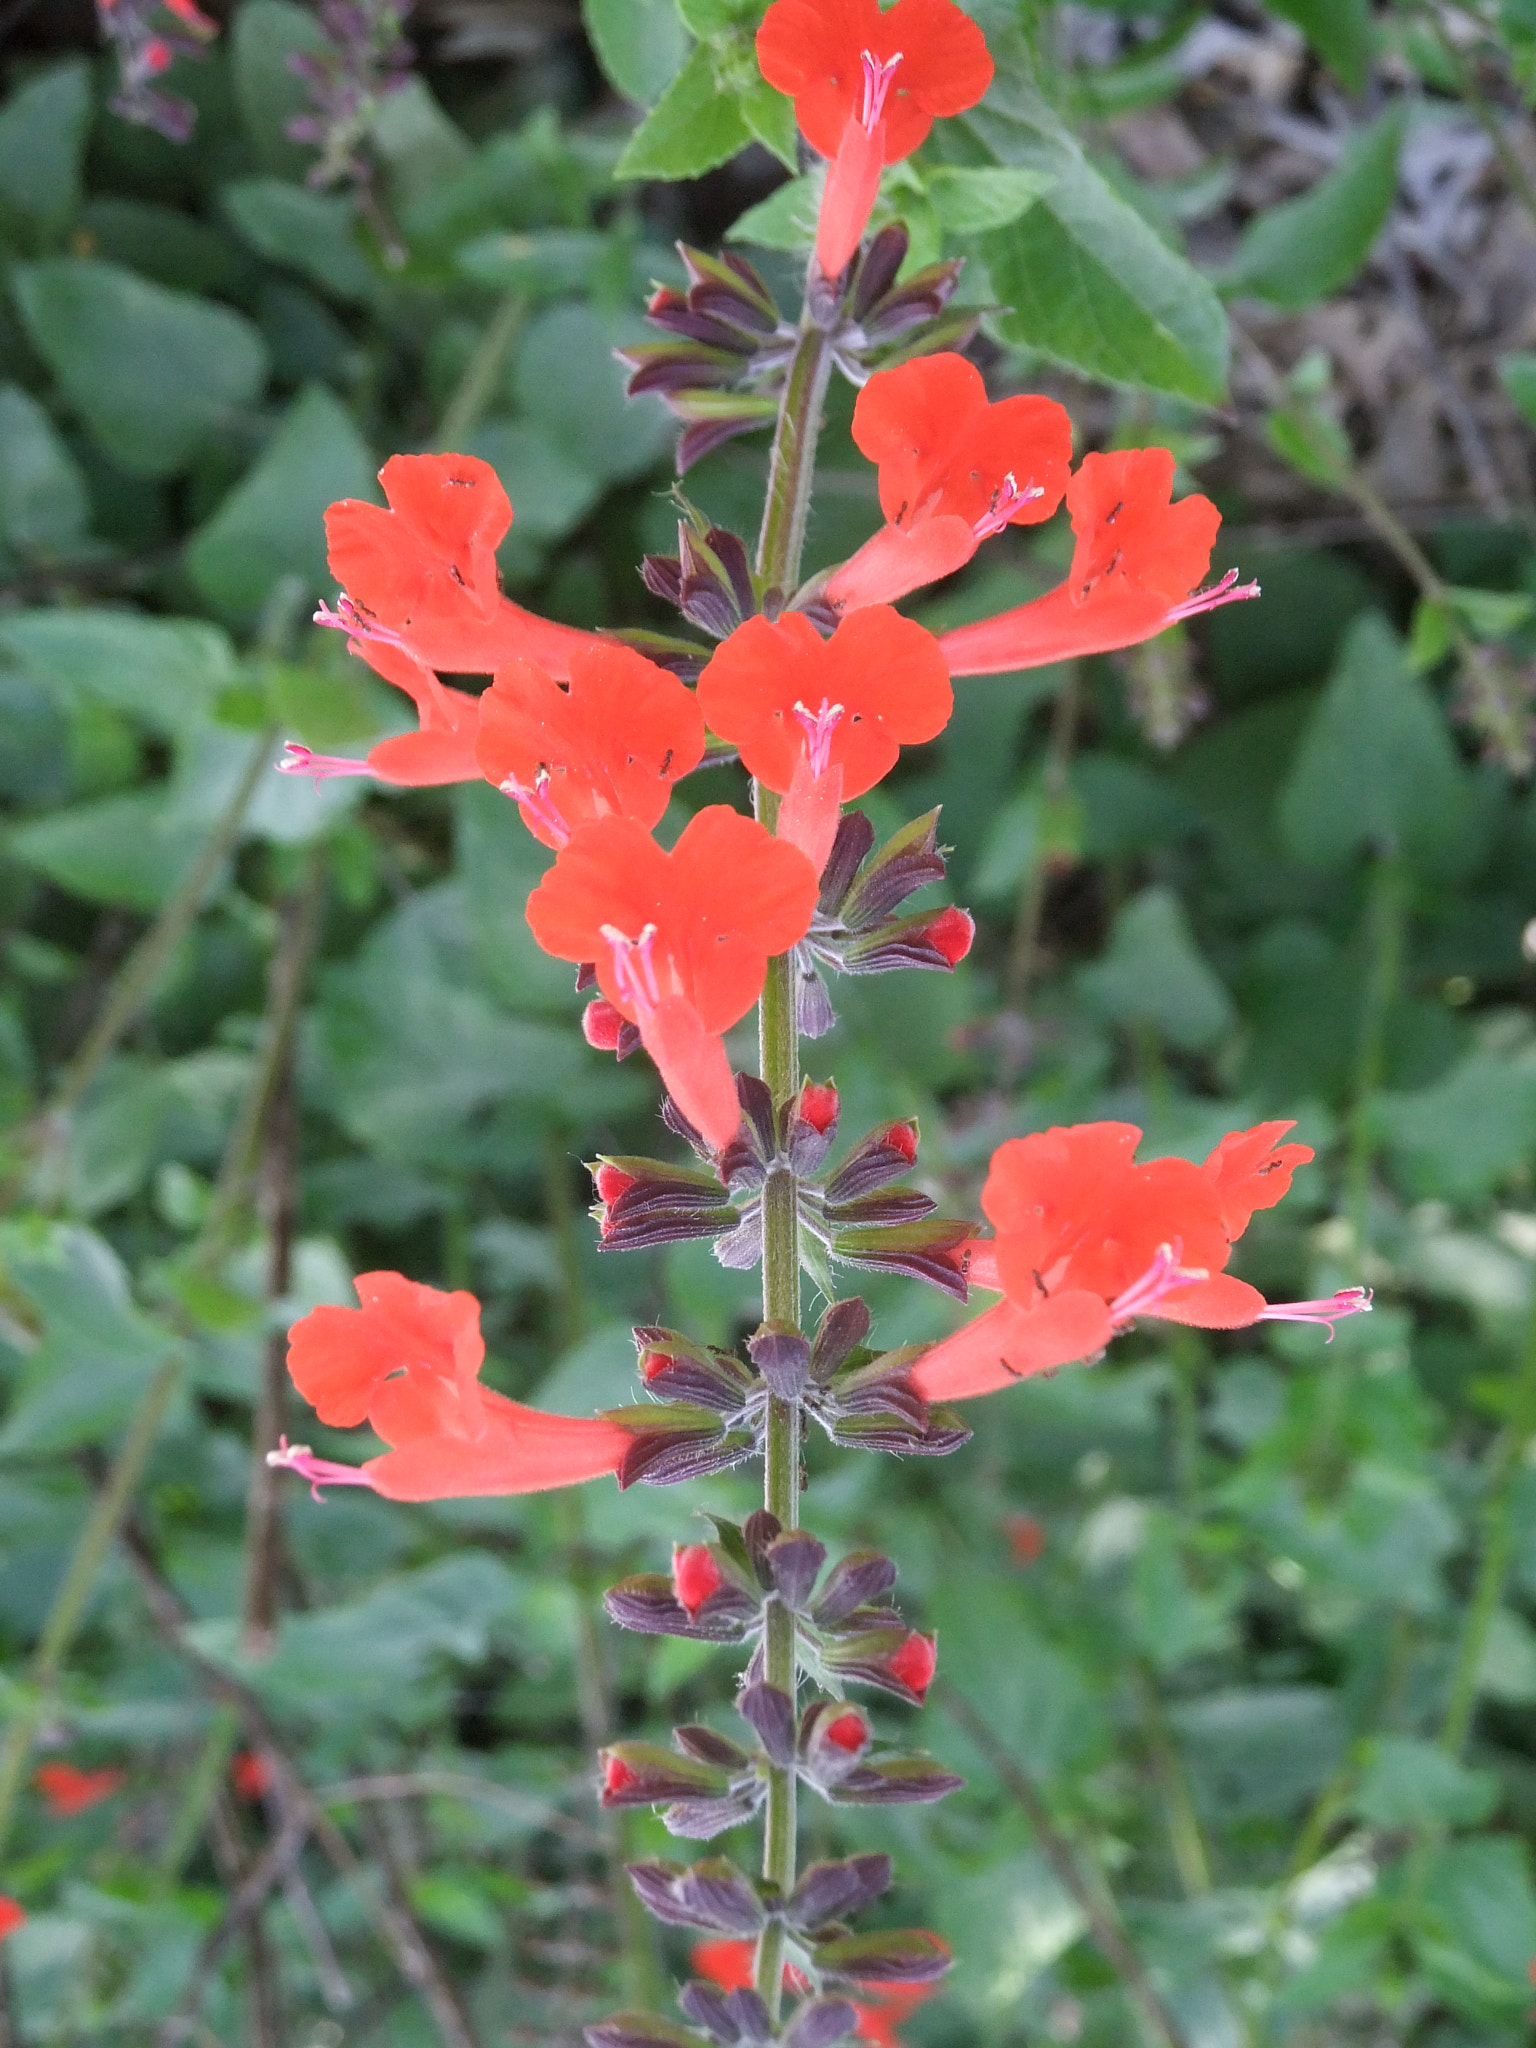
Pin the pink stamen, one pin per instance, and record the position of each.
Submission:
(634, 970)
(301, 760)
(539, 803)
(318, 1471)
(1349, 1301)
(1164, 1274)
(818, 727)
(1006, 500)
(1208, 600)
(351, 619)
(877, 86)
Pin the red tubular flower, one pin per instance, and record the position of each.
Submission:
(821, 721)
(1087, 1241)
(11, 1916)
(443, 750)
(681, 940)
(423, 574)
(408, 1363)
(1137, 561)
(954, 469)
(611, 745)
(882, 2008)
(867, 86)
(69, 1790)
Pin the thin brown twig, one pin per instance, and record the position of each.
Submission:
(1092, 1901)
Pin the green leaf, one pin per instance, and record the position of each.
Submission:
(786, 219)
(268, 94)
(1083, 276)
(272, 523)
(44, 507)
(1339, 31)
(165, 673)
(155, 374)
(1153, 974)
(129, 851)
(1313, 444)
(1411, 1784)
(1481, 1894)
(1375, 768)
(1518, 375)
(1295, 254)
(1492, 614)
(640, 44)
(770, 116)
(1259, 1750)
(693, 127)
(421, 147)
(1459, 1138)
(972, 202)
(43, 128)
(569, 385)
(310, 232)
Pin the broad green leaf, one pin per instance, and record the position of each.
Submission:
(640, 44)
(1492, 614)
(1457, 1139)
(1310, 441)
(165, 673)
(272, 523)
(1375, 768)
(43, 129)
(770, 116)
(420, 146)
(971, 202)
(1507, 1670)
(786, 219)
(1481, 1893)
(552, 493)
(131, 851)
(1339, 31)
(1082, 275)
(1518, 374)
(1260, 1750)
(311, 232)
(1295, 254)
(263, 36)
(693, 126)
(569, 385)
(1412, 1784)
(155, 374)
(44, 508)
(552, 263)
(166, 246)
(1153, 974)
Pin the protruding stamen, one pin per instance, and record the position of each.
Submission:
(1164, 1274)
(301, 760)
(1007, 499)
(1349, 1301)
(634, 970)
(357, 624)
(318, 1471)
(818, 727)
(1227, 591)
(877, 85)
(539, 804)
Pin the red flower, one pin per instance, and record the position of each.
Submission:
(251, 1774)
(821, 721)
(954, 469)
(192, 16)
(423, 574)
(69, 1790)
(695, 1576)
(612, 744)
(11, 1916)
(1087, 1241)
(1138, 558)
(733, 1966)
(443, 750)
(408, 1363)
(867, 86)
(681, 940)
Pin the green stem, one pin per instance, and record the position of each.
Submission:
(477, 386)
(792, 464)
(1385, 919)
(70, 1602)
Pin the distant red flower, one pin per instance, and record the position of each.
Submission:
(11, 1916)
(192, 16)
(612, 745)
(681, 940)
(1088, 1241)
(408, 1363)
(423, 574)
(1026, 1538)
(1138, 559)
(442, 751)
(251, 1774)
(954, 469)
(69, 1790)
(822, 721)
(881, 2007)
(867, 86)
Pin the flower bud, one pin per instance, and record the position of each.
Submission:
(914, 1664)
(952, 933)
(611, 1181)
(836, 1891)
(818, 1105)
(606, 1030)
(834, 1740)
(783, 1357)
(713, 1895)
(695, 1576)
(644, 1774)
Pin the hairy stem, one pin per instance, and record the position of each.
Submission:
(792, 465)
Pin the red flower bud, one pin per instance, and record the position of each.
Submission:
(652, 1363)
(951, 933)
(901, 1138)
(695, 1575)
(818, 1105)
(1026, 1538)
(601, 1025)
(610, 1181)
(915, 1663)
(618, 1776)
(251, 1773)
(849, 1731)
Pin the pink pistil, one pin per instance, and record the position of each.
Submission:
(1220, 593)
(351, 619)
(1006, 500)
(1161, 1278)
(301, 760)
(1349, 1301)
(634, 971)
(878, 78)
(318, 1471)
(818, 727)
(539, 804)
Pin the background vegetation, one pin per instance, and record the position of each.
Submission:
(1237, 1639)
